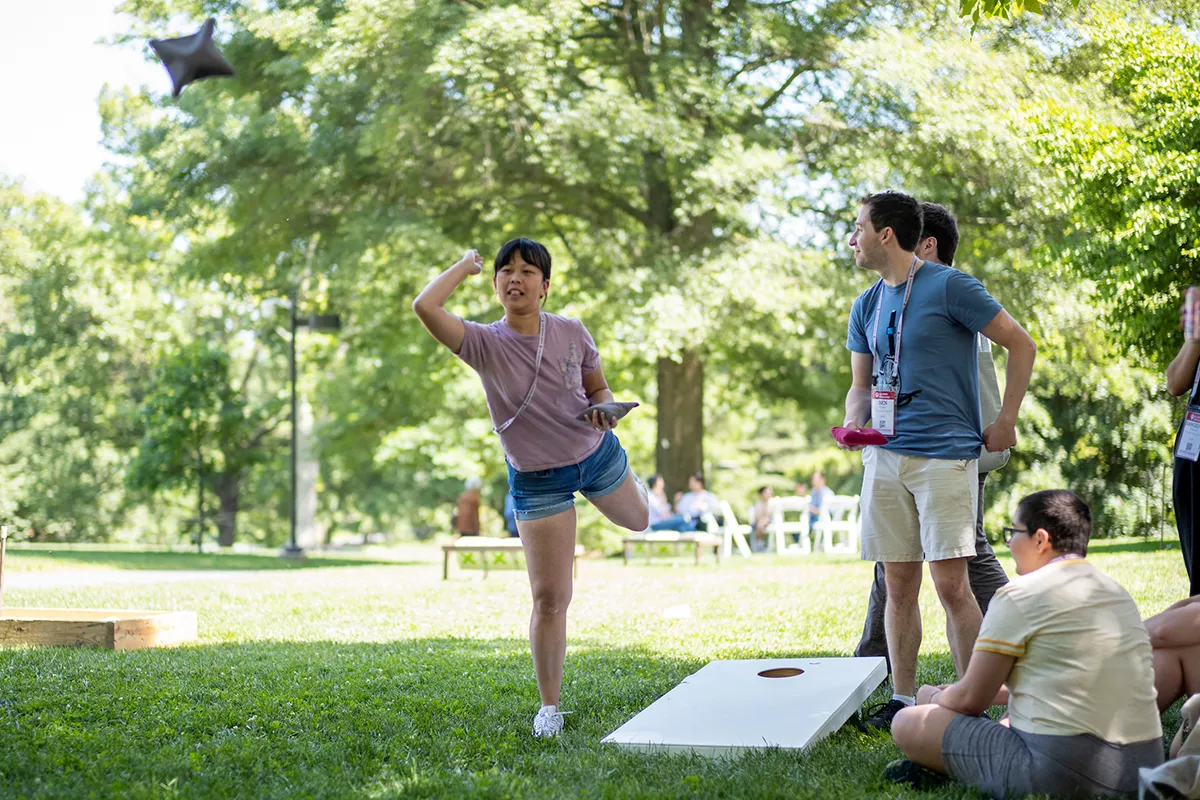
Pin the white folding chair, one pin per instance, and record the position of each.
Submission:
(731, 532)
(840, 519)
(781, 527)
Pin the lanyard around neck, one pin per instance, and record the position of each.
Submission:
(899, 322)
(537, 368)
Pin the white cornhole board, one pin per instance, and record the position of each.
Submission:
(727, 708)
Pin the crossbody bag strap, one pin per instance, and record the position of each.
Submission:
(537, 369)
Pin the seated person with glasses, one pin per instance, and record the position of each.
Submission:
(1064, 646)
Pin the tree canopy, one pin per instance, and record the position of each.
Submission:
(694, 168)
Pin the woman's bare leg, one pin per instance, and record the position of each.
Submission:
(626, 506)
(549, 545)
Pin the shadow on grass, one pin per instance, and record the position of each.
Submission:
(109, 559)
(435, 717)
(1126, 546)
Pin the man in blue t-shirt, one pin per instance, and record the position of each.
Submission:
(912, 338)
(939, 242)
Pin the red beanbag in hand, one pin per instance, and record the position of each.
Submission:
(857, 437)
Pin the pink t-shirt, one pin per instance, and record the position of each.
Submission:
(546, 435)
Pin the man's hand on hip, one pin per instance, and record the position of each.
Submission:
(1000, 435)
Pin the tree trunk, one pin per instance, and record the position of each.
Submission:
(680, 448)
(228, 489)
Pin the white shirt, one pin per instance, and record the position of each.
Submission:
(694, 504)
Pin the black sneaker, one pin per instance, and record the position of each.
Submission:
(879, 717)
(921, 778)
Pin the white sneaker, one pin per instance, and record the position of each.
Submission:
(548, 722)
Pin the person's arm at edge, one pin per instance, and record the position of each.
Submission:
(1182, 371)
(1178, 626)
(1022, 350)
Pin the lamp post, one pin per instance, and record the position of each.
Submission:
(315, 322)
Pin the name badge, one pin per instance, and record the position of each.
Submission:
(883, 411)
(1189, 436)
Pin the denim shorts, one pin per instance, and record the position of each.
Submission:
(547, 492)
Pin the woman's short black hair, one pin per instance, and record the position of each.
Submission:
(699, 476)
(1061, 514)
(533, 253)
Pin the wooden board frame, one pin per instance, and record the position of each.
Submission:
(105, 628)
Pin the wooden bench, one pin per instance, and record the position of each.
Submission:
(695, 539)
(484, 546)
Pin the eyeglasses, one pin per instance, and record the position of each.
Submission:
(1008, 533)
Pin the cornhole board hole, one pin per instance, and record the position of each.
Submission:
(728, 708)
(114, 630)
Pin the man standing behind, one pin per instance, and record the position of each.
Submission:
(912, 338)
(466, 509)
(939, 241)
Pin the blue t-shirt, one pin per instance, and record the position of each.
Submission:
(937, 412)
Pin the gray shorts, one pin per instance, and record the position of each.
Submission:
(1003, 762)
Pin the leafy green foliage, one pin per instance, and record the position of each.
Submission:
(977, 10)
(199, 427)
(73, 327)
(193, 416)
(693, 167)
(1132, 179)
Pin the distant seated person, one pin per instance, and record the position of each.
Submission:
(697, 502)
(761, 518)
(510, 515)
(818, 499)
(1175, 637)
(466, 510)
(662, 518)
(1064, 646)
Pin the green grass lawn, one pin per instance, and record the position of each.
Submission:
(48, 558)
(381, 680)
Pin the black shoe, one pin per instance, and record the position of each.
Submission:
(879, 718)
(921, 778)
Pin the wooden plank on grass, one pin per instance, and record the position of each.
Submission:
(106, 628)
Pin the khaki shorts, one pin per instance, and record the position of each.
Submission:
(917, 509)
